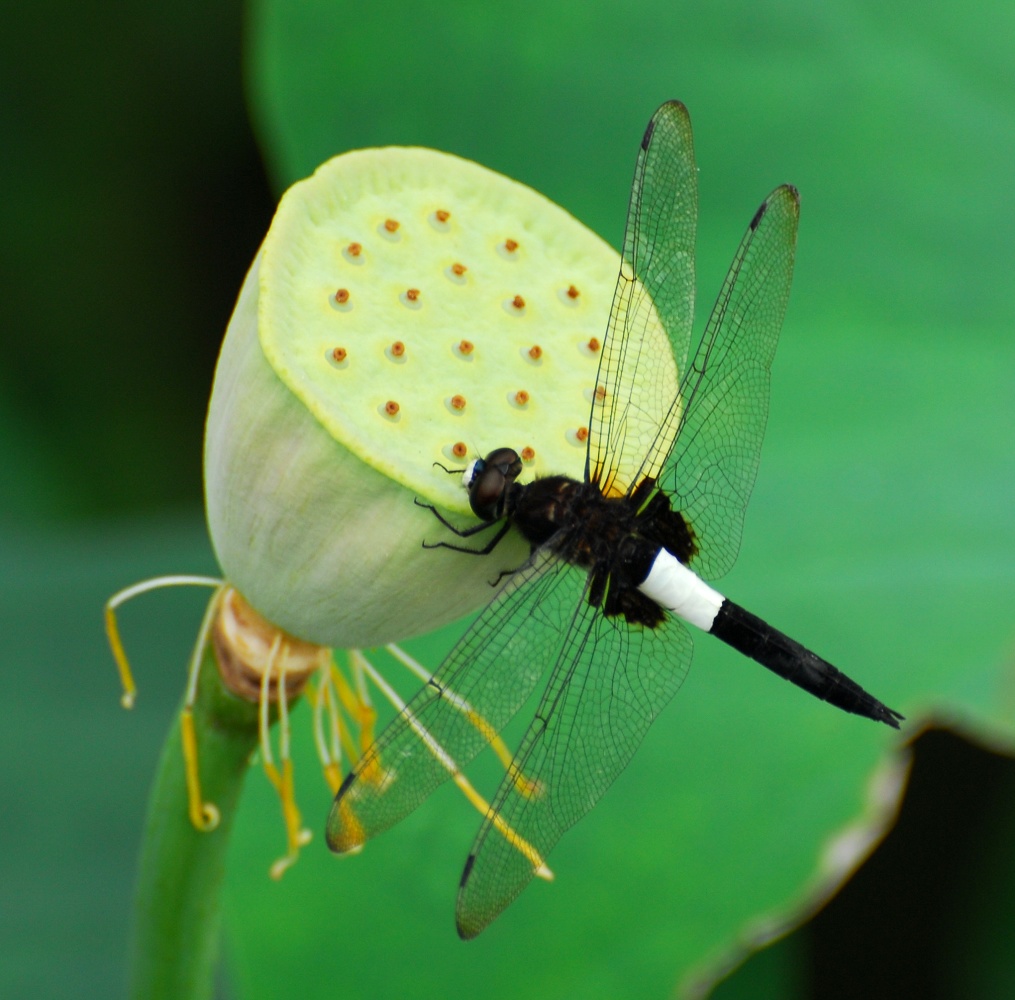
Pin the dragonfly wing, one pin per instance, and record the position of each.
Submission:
(653, 301)
(609, 682)
(725, 391)
(483, 681)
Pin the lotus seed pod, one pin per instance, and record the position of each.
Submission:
(407, 308)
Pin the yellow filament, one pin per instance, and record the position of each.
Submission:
(527, 787)
(354, 707)
(333, 776)
(501, 825)
(359, 707)
(281, 780)
(204, 816)
(116, 645)
(113, 631)
(296, 836)
(328, 751)
(372, 770)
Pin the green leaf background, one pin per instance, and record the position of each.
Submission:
(880, 533)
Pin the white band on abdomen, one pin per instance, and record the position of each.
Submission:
(673, 586)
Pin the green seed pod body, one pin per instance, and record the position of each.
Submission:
(407, 308)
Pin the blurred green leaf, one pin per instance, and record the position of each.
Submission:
(133, 202)
(79, 766)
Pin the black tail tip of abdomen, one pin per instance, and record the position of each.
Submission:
(882, 713)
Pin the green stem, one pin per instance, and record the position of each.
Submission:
(178, 907)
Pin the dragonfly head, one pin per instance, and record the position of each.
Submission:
(488, 481)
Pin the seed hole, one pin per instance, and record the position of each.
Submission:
(577, 436)
(337, 357)
(439, 220)
(340, 300)
(390, 229)
(515, 306)
(508, 249)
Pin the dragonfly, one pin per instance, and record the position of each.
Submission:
(618, 560)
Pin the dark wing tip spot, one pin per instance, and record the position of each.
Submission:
(467, 930)
(647, 137)
(666, 110)
(466, 871)
(759, 214)
(346, 782)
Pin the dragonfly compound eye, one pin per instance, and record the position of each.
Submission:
(490, 482)
(507, 461)
(486, 493)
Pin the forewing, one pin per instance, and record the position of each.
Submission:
(609, 682)
(655, 287)
(484, 680)
(725, 391)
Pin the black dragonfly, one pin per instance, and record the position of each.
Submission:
(602, 599)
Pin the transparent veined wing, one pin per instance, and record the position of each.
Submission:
(701, 440)
(630, 421)
(475, 692)
(724, 392)
(609, 683)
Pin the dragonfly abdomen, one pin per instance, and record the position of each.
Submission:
(673, 586)
(786, 657)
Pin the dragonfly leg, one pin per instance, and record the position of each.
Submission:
(467, 533)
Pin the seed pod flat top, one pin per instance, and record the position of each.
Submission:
(422, 307)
